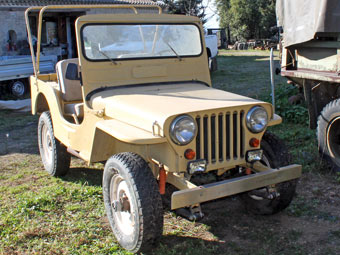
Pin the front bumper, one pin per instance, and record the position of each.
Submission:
(234, 186)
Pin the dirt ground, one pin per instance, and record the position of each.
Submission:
(311, 225)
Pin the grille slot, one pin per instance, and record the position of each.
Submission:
(220, 137)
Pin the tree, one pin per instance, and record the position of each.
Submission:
(268, 18)
(187, 7)
(247, 19)
(223, 7)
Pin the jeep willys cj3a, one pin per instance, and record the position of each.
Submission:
(139, 98)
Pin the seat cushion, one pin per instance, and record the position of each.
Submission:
(70, 89)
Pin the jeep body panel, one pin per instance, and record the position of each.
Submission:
(142, 105)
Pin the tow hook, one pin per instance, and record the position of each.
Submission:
(264, 193)
(192, 213)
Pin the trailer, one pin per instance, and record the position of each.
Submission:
(15, 71)
(310, 58)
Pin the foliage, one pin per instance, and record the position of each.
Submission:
(247, 19)
(293, 113)
(187, 7)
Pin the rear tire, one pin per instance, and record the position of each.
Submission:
(328, 133)
(275, 155)
(54, 155)
(132, 201)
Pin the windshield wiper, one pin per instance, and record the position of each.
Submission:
(178, 56)
(105, 55)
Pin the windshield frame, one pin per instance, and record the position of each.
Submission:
(138, 58)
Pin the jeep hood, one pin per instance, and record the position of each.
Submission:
(143, 105)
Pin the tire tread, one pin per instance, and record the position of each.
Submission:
(329, 112)
(148, 199)
(278, 156)
(61, 158)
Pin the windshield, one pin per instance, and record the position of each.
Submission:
(115, 41)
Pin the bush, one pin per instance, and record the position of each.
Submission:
(297, 113)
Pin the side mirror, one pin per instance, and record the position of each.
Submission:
(72, 72)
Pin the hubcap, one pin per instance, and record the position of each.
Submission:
(121, 205)
(18, 88)
(333, 139)
(46, 141)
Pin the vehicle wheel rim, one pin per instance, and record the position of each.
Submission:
(121, 197)
(46, 141)
(333, 139)
(18, 88)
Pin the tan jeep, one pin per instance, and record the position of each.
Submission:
(139, 98)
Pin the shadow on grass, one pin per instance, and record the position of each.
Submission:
(84, 176)
(18, 133)
(172, 244)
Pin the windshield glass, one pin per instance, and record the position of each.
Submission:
(115, 41)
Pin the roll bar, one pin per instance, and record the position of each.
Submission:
(36, 60)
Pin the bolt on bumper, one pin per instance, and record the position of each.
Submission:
(234, 186)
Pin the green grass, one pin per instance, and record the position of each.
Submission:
(244, 72)
(45, 215)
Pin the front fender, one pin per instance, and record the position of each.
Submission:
(113, 136)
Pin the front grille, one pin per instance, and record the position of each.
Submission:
(220, 137)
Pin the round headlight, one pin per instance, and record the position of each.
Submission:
(257, 119)
(183, 130)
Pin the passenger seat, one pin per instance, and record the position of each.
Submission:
(70, 91)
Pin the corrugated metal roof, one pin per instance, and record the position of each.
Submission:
(28, 3)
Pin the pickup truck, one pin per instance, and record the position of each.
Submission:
(212, 50)
(15, 71)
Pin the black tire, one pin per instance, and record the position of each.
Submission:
(213, 64)
(54, 155)
(18, 88)
(132, 201)
(276, 155)
(328, 133)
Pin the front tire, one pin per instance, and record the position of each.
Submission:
(132, 201)
(53, 154)
(275, 154)
(328, 133)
